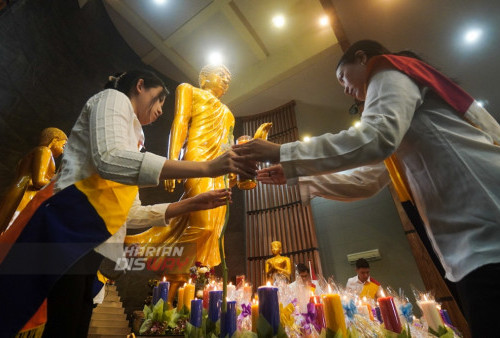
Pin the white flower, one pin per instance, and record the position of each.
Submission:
(203, 270)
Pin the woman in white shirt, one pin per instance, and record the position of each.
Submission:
(450, 166)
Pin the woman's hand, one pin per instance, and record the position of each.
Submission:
(272, 175)
(230, 162)
(258, 150)
(207, 200)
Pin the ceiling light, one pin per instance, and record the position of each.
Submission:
(307, 139)
(160, 2)
(480, 103)
(324, 21)
(215, 58)
(279, 21)
(357, 124)
(473, 35)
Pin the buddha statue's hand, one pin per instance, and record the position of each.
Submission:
(169, 185)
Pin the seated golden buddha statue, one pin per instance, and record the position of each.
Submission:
(33, 172)
(278, 266)
(202, 130)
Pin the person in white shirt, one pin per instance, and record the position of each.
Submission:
(363, 284)
(450, 166)
(102, 169)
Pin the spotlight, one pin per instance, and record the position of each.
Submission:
(324, 21)
(215, 58)
(473, 35)
(279, 21)
(307, 139)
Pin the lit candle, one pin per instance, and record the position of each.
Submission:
(207, 288)
(164, 286)
(369, 307)
(389, 314)
(214, 303)
(196, 310)
(334, 313)
(230, 291)
(247, 293)
(446, 317)
(431, 313)
(320, 313)
(228, 321)
(269, 305)
(180, 298)
(156, 295)
(255, 314)
(188, 294)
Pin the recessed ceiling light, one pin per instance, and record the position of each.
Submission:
(324, 21)
(473, 35)
(215, 58)
(307, 138)
(279, 21)
(357, 124)
(160, 2)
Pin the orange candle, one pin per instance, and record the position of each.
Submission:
(188, 294)
(180, 299)
(255, 314)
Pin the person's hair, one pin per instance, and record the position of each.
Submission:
(301, 267)
(49, 134)
(371, 48)
(362, 263)
(214, 68)
(125, 82)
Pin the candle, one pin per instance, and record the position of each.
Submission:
(334, 313)
(180, 298)
(156, 295)
(230, 291)
(247, 293)
(196, 310)
(269, 305)
(207, 288)
(163, 287)
(188, 294)
(389, 314)
(255, 315)
(431, 313)
(446, 317)
(378, 315)
(228, 321)
(369, 307)
(320, 313)
(214, 303)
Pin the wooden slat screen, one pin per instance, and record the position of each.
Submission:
(275, 213)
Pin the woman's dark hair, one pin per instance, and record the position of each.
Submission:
(371, 48)
(125, 82)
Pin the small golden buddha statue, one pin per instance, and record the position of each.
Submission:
(278, 266)
(33, 172)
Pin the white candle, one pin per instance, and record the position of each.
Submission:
(431, 313)
(230, 291)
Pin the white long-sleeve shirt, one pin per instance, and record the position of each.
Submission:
(105, 140)
(452, 167)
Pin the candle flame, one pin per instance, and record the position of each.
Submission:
(230, 283)
(438, 307)
(185, 284)
(314, 298)
(425, 297)
(329, 289)
(164, 278)
(189, 281)
(364, 299)
(382, 292)
(246, 284)
(268, 283)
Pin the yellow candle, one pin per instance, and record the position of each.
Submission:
(180, 299)
(188, 294)
(334, 313)
(255, 315)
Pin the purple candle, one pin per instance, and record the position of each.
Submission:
(228, 320)
(446, 317)
(156, 295)
(196, 310)
(377, 314)
(269, 306)
(214, 303)
(163, 287)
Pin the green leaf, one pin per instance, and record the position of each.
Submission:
(147, 311)
(264, 329)
(146, 325)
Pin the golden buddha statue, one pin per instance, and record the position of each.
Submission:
(33, 172)
(202, 130)
(278, 266)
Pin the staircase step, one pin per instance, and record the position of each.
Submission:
(109, 323)
(109, 330)
(102, 309)
(111, 304)
(110, 287)
(109, 316)
(111, 298)
(110, 292)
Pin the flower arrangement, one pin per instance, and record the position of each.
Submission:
(201, 274)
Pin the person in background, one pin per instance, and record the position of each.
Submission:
(441, 150)
(303, 287)
(363, 284)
